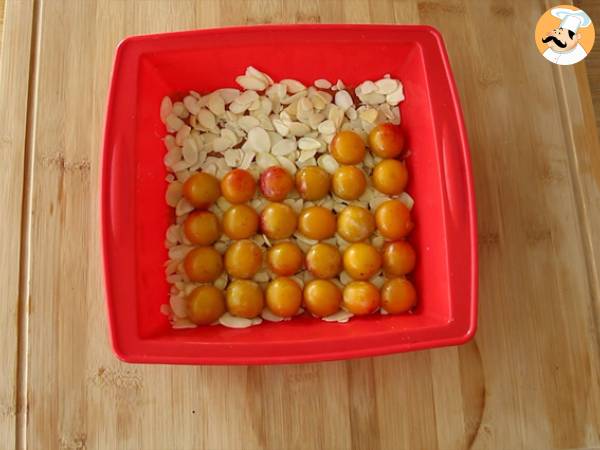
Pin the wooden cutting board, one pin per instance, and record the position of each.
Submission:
(529, 380)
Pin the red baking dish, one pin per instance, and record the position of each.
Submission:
(135, 217)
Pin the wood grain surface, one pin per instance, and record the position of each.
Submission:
(529, 379)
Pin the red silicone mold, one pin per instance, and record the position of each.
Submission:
(135, 217)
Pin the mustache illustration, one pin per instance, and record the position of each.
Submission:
(556, 41)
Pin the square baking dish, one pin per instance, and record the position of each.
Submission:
(134, 216)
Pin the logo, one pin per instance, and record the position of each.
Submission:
(564, 35)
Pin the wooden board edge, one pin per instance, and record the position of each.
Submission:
(583, 145)
(15, 86)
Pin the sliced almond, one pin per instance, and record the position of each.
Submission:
(287, 164)
(173, 123)
(179, 252)
(247, 159)
(343, 100)
(183, 207)
(253, 72)
(221, 144)
(395, 97)
(261, 277)
(246, 123)
(172, 157)
(366, 87)
(280, 127)
(351, 113)
(228, 94)
(293, 86)
(305, 155)
(266, 106)
(276, 92)
(307, 143)
(229, 321)
(328, 163)
(288, 100)
(247, 97)
(327, 127)
(221, 282)
(181, 324)
(284, 147)
(233, 157)
(166, 108)
(298, 129)
(259, 140)
(407, 200)
(216, 104)
(207, 119)
(269, 316)
(251, 83)
(373, 98)
(180, 110)
(190, 152)
(266, 160)
(191, 103)
(322, 83)
(386, 86)
(341, 317)
(336, 115)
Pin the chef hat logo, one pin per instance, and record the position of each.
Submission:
(571, 20)
(564, 35)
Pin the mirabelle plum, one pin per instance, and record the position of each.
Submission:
(203, 264)
(398, 295)
(202, 227)
(276, 183)
(322, 297)
(284, 297)
(244, 299)
(312, 183)
(386, 140)
(347, 147)
(390, 176)
(398, 258)
(243, 259)
(201, 190)
(317, 223)
(355, 223)
(278, 221)
(205, 304)
(361, 261)
(348, 182)
(393, 219)
(285, 258)
(324, 261)
(361, 297)
(240, 222)
(238, 186)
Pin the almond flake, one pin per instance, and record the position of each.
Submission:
(341, 317)
(259, 140)
(321, 83)
(386, 86)
(343, 100)
(284, 147)
(251, 83)
(287, 164)
(228, 94)
(246, 123)
(328, 163)
(191, 104)
(229, 321)
(395, 97)
(266, 160)
(307, 143)
(173, 123)
(166, 108)
(293, 86)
